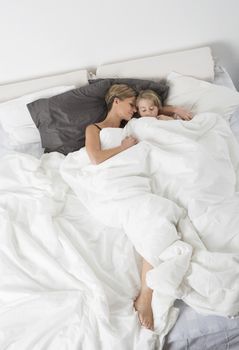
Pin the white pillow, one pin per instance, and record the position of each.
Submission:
(222, 77)
(16, 120)
(34, 149)
(234, 123)
(197, 62)
(201, 96)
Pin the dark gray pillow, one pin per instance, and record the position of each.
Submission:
(161, 87)
(62, 119)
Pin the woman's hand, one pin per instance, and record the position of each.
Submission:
(182, 113)
(128, 142)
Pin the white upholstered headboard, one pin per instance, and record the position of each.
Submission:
(14, 90)
(197, 63)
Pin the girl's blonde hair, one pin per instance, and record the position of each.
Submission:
(121, 91)
(149, 95)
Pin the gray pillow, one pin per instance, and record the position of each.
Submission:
(62, 119)
(161, 87)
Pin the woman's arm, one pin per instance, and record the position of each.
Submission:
(93, 146)
(176, 112)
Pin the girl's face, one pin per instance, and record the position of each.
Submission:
(126, 108)
(147, 108)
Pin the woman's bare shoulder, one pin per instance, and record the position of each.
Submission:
(93, 127)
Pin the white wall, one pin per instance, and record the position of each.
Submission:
(50, 36)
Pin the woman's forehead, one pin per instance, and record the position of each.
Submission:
(131, 99)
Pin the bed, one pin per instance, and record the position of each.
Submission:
(68, 279)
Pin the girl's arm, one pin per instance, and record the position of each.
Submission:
(164, 117)
(176, 112)
(93, 146)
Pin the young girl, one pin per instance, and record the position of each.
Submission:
(149, 105)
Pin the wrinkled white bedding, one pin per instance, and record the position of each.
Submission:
(175, 195)
(67, 281)
(72, 273)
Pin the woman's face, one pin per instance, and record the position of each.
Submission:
(147, 108)
(126, 108)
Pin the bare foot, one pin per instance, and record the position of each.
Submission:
(143, 305)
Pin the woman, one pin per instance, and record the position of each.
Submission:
(121, 103)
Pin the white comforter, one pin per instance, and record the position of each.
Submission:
(69, 275)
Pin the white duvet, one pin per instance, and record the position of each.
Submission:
(69, 274)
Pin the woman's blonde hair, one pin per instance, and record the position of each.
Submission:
(149, 95)
(121, 91)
